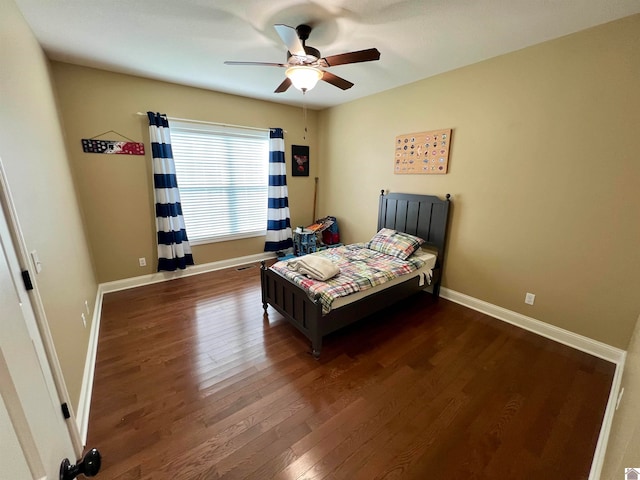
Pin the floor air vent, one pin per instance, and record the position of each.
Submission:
(245, 267)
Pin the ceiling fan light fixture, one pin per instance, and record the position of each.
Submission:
(304, 78)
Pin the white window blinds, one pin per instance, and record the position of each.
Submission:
(223, 177)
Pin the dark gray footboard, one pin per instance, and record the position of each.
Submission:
(306, 314)
(294, 304)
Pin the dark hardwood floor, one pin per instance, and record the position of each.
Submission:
(192, 382)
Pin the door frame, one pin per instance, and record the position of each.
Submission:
(11, 217)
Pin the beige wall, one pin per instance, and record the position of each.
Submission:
(544, 175)
(34, 157)
(624, 441)
(116, 191)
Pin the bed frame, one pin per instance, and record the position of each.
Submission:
(425, 216)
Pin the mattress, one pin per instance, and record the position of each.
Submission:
(424, 272)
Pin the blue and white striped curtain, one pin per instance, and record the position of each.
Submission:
(174, 250)
(278, 222)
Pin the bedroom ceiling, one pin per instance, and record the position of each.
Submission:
(187, 41)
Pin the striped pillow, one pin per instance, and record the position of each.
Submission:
(397, 244)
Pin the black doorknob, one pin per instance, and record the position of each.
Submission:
(89, 466)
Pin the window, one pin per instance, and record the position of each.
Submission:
(223, 175)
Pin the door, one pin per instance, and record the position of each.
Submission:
(33, 435)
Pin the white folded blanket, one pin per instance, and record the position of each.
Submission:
(314, 266)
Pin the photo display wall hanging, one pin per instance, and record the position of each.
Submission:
(423, 152)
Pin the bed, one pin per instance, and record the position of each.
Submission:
(424, 216)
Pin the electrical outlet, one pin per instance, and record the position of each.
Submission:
(529, 298)
(142, 261)
(84, 321)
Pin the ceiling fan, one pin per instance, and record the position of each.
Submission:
(305, 66)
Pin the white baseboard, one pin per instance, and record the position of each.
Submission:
(579, 342)
(84, 403)
(192, 270)
(607, 421)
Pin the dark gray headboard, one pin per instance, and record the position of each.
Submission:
(425, 216)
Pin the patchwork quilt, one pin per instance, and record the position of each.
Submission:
(360, 269)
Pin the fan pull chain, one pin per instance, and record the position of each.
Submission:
(304, 117)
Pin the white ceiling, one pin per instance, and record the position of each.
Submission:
(187, 41)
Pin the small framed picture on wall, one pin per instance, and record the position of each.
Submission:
(299, 160)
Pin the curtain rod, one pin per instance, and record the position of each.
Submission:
(211, 123)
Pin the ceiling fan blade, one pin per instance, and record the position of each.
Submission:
(284, 86)
(260, 64)
(351, 57)
(290, 38)
(336, 80)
